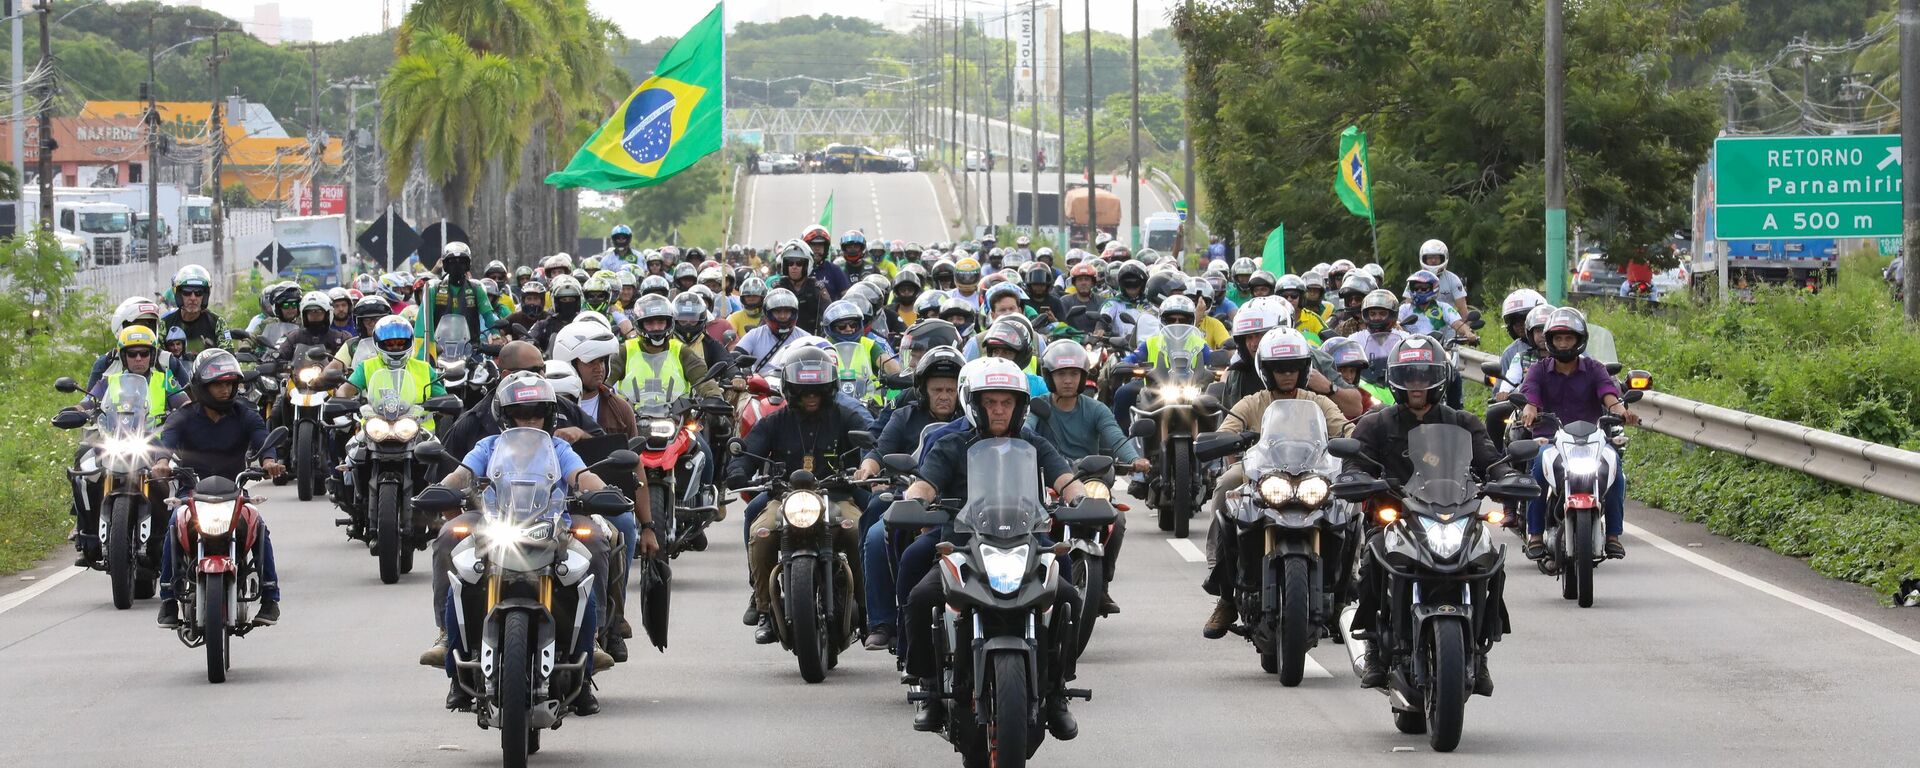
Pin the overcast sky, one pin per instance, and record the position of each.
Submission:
(648, 19)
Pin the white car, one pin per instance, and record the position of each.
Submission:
(774, 162)
(977, 160)
(905, 158)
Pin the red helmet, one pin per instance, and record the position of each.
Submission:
(816, 233)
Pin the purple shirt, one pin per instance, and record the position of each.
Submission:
(1577, 396)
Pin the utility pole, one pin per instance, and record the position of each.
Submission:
(1033, 116)
(954, 95)
(960, 127)
(350, 149)
(1006, 53)
(153, 165)
(1910, 152)
(46, 119)
(1556, 156)
(17, 127)
(1060, 104)
(1190, 235)
(986, 126)
(217, 125)
(316, 141)
(1093, 211)
(1133, 162)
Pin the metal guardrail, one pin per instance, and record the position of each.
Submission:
(1852, 462)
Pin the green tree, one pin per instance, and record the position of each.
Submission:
(1449, 91)
(458, 108)
(655, 212)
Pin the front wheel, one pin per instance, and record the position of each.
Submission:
(806, 614)
(1008, 737)
(120, 552)
(386, 540)
(516, 684)
(1296, 629)
(1446, 685)
(213, 625)
(1583, 559)
(1181, 505)
(307, 476)
(1090, 576)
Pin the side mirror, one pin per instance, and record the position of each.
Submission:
(430, 452)
(621, 460)
(898, 381)
(861, 439)
(901, 463)
(236, 334)
(1490, 369)
(517, 330)
(338, 407)
(318, 354)
(332, 379)
(1143, 429)
(246, 357)
(69, 419)
(1519, 400)
(268, 368)
(913, 514)
(1088, 466)
(1215, 445)
(445, 405)
(1345, 447)
(1522, 451)
(1633, 395)
(1128, 318)
(438, 499)
(1077, 312)
(606, 502)
(1515, 487)
(274, 440)
(736, 446)
(66, 384)
(1358, 487)
(1086, 512)
(1639, 379)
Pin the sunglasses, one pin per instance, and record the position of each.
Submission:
(193, 292)
(846, 327)
(136, 354)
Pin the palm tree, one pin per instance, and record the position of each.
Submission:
(506, 27)
(458, 108)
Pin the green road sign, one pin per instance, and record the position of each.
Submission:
(1769, 187)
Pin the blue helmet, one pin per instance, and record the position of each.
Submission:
(853, 237)
(1426, 278)
(394, 328)
(619, 230)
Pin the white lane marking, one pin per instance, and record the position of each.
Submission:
(19, 598)
(1313, 669)
(1187, 550)
(753, 190)
(939, 210)
(1869, 628)
(873, 193)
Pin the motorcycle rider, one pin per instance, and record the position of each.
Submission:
(1201, 291)
(456, 293)
(966, 282)
(533, 306)
(906, 289)
(212, 437)
(1285, 359)
(995, 403)
(658, 367)
(1573, 387)
(1380, 312)
(567, 297)
(690, 317)
(1346, 318)
(1417, 375)
(810, 434)
(1448, 287)
(873, 359)
(192, 289)
(780, 329)
(137, 352)
(342, 315)
(1294, 290)
(853, 261)
(316, 330)
(753, 295)
(1349, 360)
(1081, 280)
(796, 276)
(522, 400)
(1080, 426)
(815, 240)
(1152, 351)
(621, 252)
(135, 312)
(1242, 276)
(1425, 314)
(1131, 298)
(936, 384)
(1046, 307)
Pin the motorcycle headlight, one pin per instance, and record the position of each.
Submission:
(1181, 393)
(1098, 490)
(1446, 538)
(379, 430)
(405, 429)
(121, 448)
(1005, 568)
(215, 518)
(1275, 490)
(309, 375)
(1311, 491)
(660, 429)
(802, 509)
(1583, 465)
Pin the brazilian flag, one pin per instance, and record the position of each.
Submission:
(668, 123)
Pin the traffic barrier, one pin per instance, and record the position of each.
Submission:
(1849, 461)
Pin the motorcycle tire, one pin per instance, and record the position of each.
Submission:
(213, 625)
(304, 461)
(1008, 737)
(1582, 570)
(660, 505)
(120, 552)
(1090, 576)
(516, 686)
(1296, 628)
(386, 538)
(1446, 685)
(806, 614)
(1181, 488)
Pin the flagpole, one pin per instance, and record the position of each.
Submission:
(1375, 227)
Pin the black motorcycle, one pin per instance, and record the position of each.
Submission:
(115, 473)
(1442, 574)
(1294, 541)
(1001, 647)
(381, 474)
(1174, 409)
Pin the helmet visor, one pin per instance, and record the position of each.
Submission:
(1415, 376)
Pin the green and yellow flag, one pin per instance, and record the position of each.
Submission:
(1273, 258)
(1354, 183)
(669, 122)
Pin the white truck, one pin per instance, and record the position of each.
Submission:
(317, 248)
(174, 208)
(107, 227)
(197, 212)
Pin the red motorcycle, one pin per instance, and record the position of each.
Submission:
(219, 530)
(763, 399)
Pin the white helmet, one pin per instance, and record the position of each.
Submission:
(590, 315)
(1261, 314)
(992, 374)
(136, 308)
(586, 340)
(1434, 248)
(562, 378)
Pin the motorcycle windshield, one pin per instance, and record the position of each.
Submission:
(453, 339)
(386, 393)
(1003, 489)
(272, 333)
(1185, 346)
(523, 476)
(851, 382)
(1293, 439)
(1442, 456)
(1600, 344)
(123, 412)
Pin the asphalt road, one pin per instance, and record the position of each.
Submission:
(1675, 665)
(894, 206)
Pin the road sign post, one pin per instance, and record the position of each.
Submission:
(1772, 187)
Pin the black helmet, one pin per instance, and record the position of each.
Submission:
(210, 367)
(1036, 273)
(939, 362)
(1417, 363)
(1566, 320)
(653, 307)
(1006, 333)
(808, 370)
(1130, 275)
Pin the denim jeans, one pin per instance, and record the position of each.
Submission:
(1614, 505)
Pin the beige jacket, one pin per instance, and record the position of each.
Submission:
(1246, 414)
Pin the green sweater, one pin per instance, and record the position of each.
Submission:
(1087, 430)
